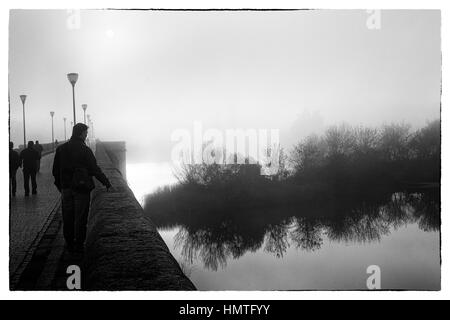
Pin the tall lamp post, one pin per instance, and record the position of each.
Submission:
(89, 123)
(53, 137)
(92, 129)
(73, 77)
(23, 97)
(84, 106)
(65, 136)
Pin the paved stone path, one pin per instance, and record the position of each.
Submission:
(47, 264)
(29, 216)
(38, 257)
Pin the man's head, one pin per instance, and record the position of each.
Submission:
(37, 141)
(11, 145)
(80, 131)
(30, 144)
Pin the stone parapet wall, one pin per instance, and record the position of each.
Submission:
(124, 250)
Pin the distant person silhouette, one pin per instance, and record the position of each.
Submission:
(56, 143)
(14, 164)
(73, 168)
(29, 158)
(39, 149)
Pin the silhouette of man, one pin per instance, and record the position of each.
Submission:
(39, 149)
(74, 166)
(14, 164)
(29, 158)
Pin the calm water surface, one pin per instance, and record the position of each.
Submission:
(282, 250)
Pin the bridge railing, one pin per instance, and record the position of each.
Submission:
(124, 250)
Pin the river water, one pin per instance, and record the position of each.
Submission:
(282, 249)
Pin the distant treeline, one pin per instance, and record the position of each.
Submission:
(344, 163)
(356, 156)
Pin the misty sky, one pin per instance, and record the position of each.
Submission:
(144, 74)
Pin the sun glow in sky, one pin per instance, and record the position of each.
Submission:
(110, 33)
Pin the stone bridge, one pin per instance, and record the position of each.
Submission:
(124, 250)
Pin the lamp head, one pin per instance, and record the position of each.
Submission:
(73, 77)
(52, 113)
(84, 106)
(23, 97)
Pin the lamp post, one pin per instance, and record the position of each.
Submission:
(23, 97)
(65, 136)
(84, 106)
(53, 138)
(73, 77)
(89, 122)
(89, 125)
(92, 129)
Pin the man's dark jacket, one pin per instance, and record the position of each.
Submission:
(14, 160)
(29, 158)
(75, 154)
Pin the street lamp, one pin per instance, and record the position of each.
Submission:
(91, 125)
(65, 136)
(23, 97)
(84, 106)
(89, 122)
(73, 77)
(53, 138)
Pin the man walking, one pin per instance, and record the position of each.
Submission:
(73, 168)
(29, 158)
(14, 164)
(39, 149)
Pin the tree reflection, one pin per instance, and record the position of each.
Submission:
(214, 237)
(307, 234)
(215, 243)
(358, 229)
(276, 240)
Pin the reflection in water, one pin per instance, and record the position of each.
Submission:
(307, 234)
(215, 237)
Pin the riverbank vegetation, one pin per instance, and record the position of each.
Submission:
(345, 162)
